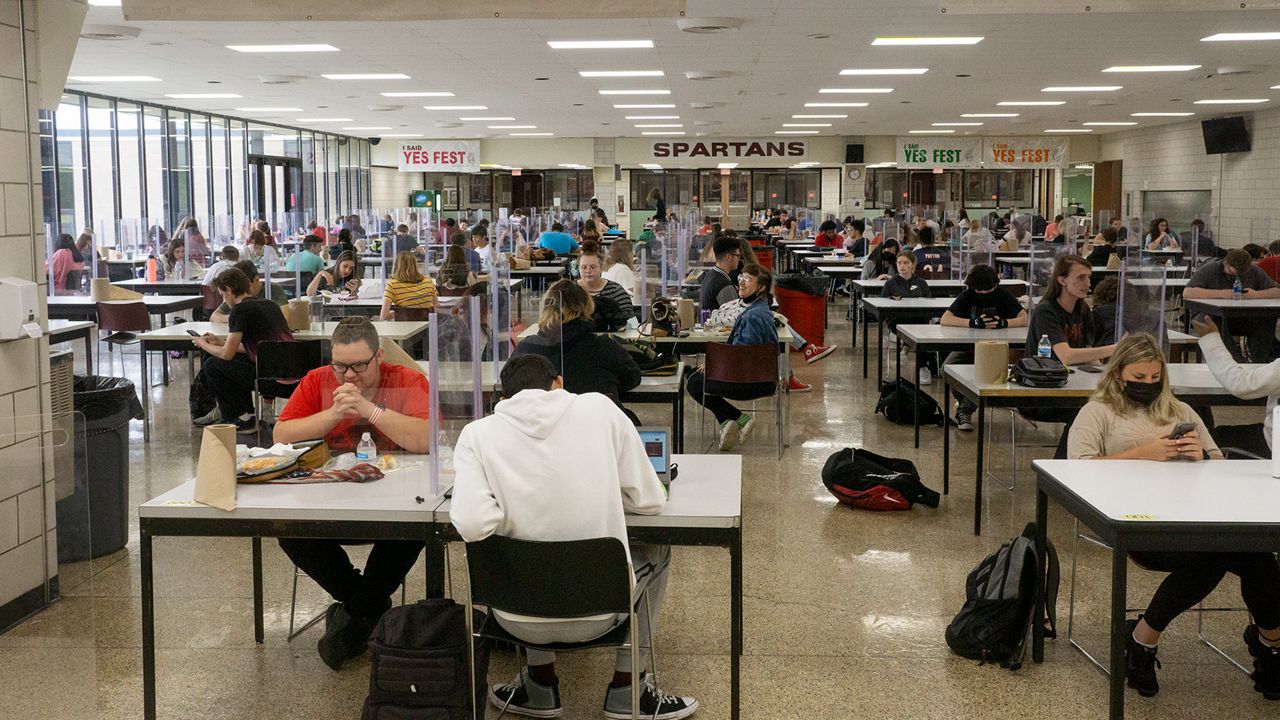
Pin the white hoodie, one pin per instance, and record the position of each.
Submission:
(1245, 382)
(551, 465)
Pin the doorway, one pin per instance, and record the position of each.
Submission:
(923, 189)
(526, 191)
(274, 185)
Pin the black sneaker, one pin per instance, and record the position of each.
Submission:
(525, 696)
(344, 636)
(1266, 664)
(1140, 663)
(654, 703)
(246, 426)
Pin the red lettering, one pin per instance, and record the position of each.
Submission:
(408, 157)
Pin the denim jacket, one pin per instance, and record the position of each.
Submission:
(755, 325)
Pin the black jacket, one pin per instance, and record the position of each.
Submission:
(590, 362)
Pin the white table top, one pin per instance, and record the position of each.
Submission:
(865, 285)
(1214, 491)
(1177, 270)
(880, 303)
(1015, 336)
(707, 493)
(540, 270)
(694, 336)
(395, 330)
(1229, 303)
(1184, 379)
(178, 282)
(62, 326)
(1173, 282)
(841, 269)
(151, 301)
(459, 375)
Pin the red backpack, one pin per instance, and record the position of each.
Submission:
(862, 479)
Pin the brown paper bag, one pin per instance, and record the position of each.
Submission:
(100, 289)
(298, 313)
(119, 293)
(684, 310)
(394, 354)
(990, 362)
(1113, 262)
(216, 471)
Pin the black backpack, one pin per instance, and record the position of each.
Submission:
(999, 604)
(862, 479)
(200, 398)
(898, 398)
(418, 668)
(1040, 372)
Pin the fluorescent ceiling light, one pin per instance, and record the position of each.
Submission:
(988, 115)
(663, 132)
(930, 132)
(282, 48)
(727, 166)
(1083, 167)
(202, 96)
(368, 127)
(494, 118)
(644, 107)
(854, 91)
(620, 73)
(926, 41)
(1082, 88)
(1110, 124)
(455, 107)
(881, 165)
(513, 127)
(818, 117)
(268, 109)
(660, 125)
(365, 76)
(653, 117)
(417, 94)
(598, 44)
(1241, 37)
(1068, 130)
(635, 92)
(316, 120)
(836, 104)
(1150, 68)
(112, 78)
(884, 71)
(1162, 114)
(806, 124)
(1228, 101)
(401, 135)
(795, 132)
(956, 124)
(1030, 103)
(1275, 87)
(537, 134)
(650, 166)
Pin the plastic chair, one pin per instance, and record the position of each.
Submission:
(123, 321)
(410, 314)
(284, 363)
(738, 365)
(211, 299)
(564, 580)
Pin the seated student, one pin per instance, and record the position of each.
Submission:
(984, 304)
(882, 262)
(906, 285)
(256, 288)
(344, 244)
(854, 240)
(1243, 381)
(229, 369)
(463, 240)
(1104, 246)
(483, 249)
(754, 326)
(1271, 263)
(407, 287)
(558, 241)
(308, 260)
(1160, 237)
(230, 256)
(358, 393)
(553, 466)
(340, 277)
(978, 240)
(929, 256)
(587, 361)
(718, 285)
(619, 266)
(613, 309)
(1130, 417)
(455, 273)
(264, 255)
(1215, 279)
(828, 235)
(403, 242)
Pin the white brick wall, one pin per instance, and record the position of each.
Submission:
(1245, 186)
(390, 188)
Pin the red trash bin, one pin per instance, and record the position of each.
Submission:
(806, 313)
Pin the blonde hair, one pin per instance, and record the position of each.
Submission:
(564, 302)
(1138, 348)
(406, 268)
(620, 254)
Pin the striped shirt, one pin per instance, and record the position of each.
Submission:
(411, 295)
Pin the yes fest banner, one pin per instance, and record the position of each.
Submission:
(939, 152)
(440, 156)
(1024, 153)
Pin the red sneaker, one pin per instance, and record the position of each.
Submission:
(794, 385)
(814, 353)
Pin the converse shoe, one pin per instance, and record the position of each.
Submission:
(246, 424)
(1140, 663)
(926, 377)
(795, 386)
(728, 435)
(745, 424)
(212, 417)
(524, 696)
(963, 420)
(1266, 664)
(814, 353)
(654, 703)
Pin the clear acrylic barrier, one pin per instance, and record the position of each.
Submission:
(459, 380)
(1128, 303)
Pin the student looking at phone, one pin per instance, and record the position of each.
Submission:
(984, 305)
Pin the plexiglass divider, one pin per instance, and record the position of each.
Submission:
(459, 381)
(1134, 303)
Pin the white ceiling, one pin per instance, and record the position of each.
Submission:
(775, 68)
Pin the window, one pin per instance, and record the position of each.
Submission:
(129, 159)
(102, 178)
(568, 189)
(72, 176)
(218, 142)
(153, 152)
(786, 188)
(48, 171)
(179, 168)
(239, 170)
(677, 188)
(201, 206)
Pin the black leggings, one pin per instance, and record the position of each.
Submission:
(1193, 575)
(711, 395)
(366, 594)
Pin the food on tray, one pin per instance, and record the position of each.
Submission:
(387, 463)
(264, 464)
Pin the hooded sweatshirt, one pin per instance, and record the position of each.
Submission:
(1244, 381)
(551, 465)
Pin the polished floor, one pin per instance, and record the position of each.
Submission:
(845, 610)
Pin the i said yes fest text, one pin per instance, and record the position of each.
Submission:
(992, 152)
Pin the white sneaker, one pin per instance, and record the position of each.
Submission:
(926, 377)
(728, 434)
(744, 428)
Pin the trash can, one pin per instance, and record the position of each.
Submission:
(94, 519)
(803, 300)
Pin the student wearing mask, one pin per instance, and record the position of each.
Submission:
(882, 262)
(906, 285)
(1216, 279)
(613, 309)
(1131, 417)
(339, 277)
(983, 305)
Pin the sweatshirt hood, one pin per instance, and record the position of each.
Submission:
(535, 412)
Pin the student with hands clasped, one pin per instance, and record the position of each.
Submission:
(983, 305)
(1133, 415)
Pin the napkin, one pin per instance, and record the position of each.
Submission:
(216, 472)
(394, 354)
(298, 313)
(101, 290)
(990, 362)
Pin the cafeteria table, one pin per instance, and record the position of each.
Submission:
(66, 330)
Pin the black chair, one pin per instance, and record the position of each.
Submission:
(565, 580)
(284, 364)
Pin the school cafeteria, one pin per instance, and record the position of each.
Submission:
(749, 360)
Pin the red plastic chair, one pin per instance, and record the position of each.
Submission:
(211, 299)
(729, 365)
(123, 320)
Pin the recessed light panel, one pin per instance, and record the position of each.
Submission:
(884, 71)
(806, 124)
(957, 124)
(1230, 101)
(989, 115)
(854, 91)
(282, 48)
(836, 104)
(1162, 114)
(1110, 124)
(658, 106)
(1082, 88)
(635, 92)
(660, 125)
(599, 44)
(1031, 103)
(930, 132)
(818, 117)
(1068, 130)
(927, 40)
(653, 117)
(1149, 68)
(1241, 37)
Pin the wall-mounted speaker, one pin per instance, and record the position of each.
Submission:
(853, 154)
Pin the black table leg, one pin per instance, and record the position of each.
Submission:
(88, 353)
(258, 629)
(735, 610)
(436, 558)
(977, 487)
(148, 627)
(946, 438)
(915, 406)
(1042, 544)
(1119, 580)
(880, 352)
(865, 346)
(853, 317)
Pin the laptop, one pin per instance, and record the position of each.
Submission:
(657, 446)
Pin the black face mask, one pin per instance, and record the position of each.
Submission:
(1143, 393)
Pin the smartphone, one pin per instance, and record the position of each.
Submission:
(1181, 429)
(193, 333)
(1089, 368)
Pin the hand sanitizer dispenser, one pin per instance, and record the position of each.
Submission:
(18, 304)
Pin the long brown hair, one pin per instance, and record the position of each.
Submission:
(406, 269)
(1061, 269)
(563, 302)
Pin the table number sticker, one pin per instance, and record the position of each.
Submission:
(1135, 516)
(181, 502)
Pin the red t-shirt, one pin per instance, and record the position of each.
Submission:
(399, 389)
(1271, 266)
(821, 240)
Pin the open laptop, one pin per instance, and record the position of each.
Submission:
(657, 446)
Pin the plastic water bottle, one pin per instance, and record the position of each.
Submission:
(153, 269)
(444, 451)
(1044, 349)
(1237, 290)
(366, 450)
(317, 310)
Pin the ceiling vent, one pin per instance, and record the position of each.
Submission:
(385, 108)
(447, 124)
(109, 32)
(1233, 70)
(706, 74)
(281, 79)
(1101, 103)
(708, 25)
(705, 105)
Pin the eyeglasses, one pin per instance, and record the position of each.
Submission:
(357, 368)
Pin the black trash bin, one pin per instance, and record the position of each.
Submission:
(94, 519)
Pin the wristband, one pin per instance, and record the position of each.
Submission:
(377, 412)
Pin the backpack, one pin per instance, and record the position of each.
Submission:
(1040, 372)
(896, 404)
(862, 479)
(993, 623)
(200, 398)
(418, 668)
